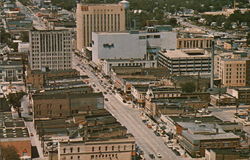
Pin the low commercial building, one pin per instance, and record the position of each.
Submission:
(172, 121)
(223, 154)
(173, 105)
(139, 92)
(241, 94)
(114, 148)
(63, 104)
(13, 132)
(36, 79)
(192, 43)
(222, 100)
(162, 92)
(11, 71)
(127, 45)
(95, 134)
(109, 63)
(124, 78)
(196, 138)
(185, 62)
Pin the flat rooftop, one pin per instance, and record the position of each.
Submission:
(13, 133)
(185, 53)
(130, 60)
(207, 119)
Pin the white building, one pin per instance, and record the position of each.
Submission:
(127, 45)
(186, 61)
(52, 49)
(109, 63)
(121, 148)
(23, 47)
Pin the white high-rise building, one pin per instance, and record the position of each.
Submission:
(52, 49)
(126, 45)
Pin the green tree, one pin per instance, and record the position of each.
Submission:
(14, 99)
(188, 87)
(4, 36)
(248, 38)
(9, 153)
(24, 37)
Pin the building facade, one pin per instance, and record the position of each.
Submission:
(189, 43)
(185, 62)
(52, 49)
(196, 138)
(127, 45)
(11, 71)
(109, 63)
(119, 149)
(61, 105)
(232, 71)
(36, 79)
(97, 18)
(241, 94)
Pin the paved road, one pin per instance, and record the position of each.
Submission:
(37, 23)
(130, 118)
(203, 28)
(30, 125)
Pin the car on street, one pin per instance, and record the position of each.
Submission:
(152, 156)
(159, 155)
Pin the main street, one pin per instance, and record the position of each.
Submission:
(129, 117)
(182, 21)
(37, 23)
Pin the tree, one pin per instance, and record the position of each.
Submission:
(248, 38)
(188, 87)
(9, 153)
(14, 99)
(24, 37)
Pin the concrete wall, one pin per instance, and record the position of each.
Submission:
(127, 45)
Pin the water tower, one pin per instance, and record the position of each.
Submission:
(125, 5)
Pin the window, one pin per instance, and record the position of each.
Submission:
(71, 149)
(78, 149)
(71, 157)
(78, 157)
(60, 106)
(99, 148)
(93, 149)
(113, 148)
(64, 150)
(157, 36)
(142, 37)
(106, 148)
(125, 147)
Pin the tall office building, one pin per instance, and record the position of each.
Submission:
(97, 18)
(52, 49)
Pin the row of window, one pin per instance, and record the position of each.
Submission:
(150, 36)
(98, 149)
(104, 156)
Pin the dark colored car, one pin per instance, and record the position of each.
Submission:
(152, 156)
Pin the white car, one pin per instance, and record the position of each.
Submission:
(246, 123)
(159, 155)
